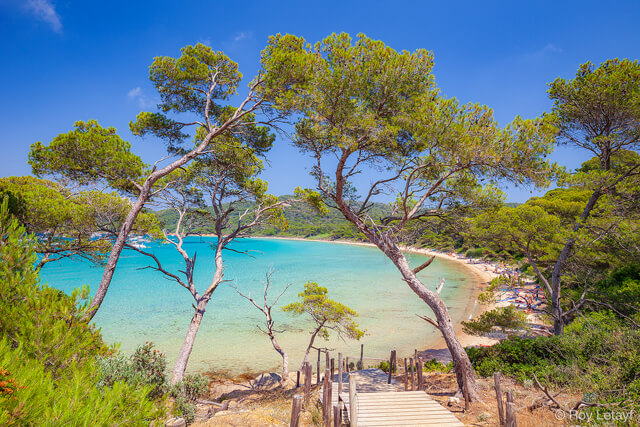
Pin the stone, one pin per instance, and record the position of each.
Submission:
(176, 422)
(453, 401)
(266, 381)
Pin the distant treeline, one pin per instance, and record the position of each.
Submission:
(302, 221)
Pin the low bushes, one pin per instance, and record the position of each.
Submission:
(597, 354)
(48, 350)
(146, 368)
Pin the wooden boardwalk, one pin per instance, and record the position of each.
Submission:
(382, 404)
(408, 408)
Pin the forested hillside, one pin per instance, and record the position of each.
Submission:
(303, 221)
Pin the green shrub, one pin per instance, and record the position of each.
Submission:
(384, 366)
(47, 323)
(434, 365)
(474, 253)
(621, 289)
(40, 399)
(48, 350)
(597, 354)
(186, 392)
(192, 386)
(506, 319)
(152, 364)
(185, 408)
(145, 366)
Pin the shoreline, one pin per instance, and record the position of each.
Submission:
(481, 276)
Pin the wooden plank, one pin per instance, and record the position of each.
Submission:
(396, 395)
(398, 402)
(406, 417)
(410, 415)
(400, 414)
(400, 408)
(398, 421)
(425, 423)
(401, 394)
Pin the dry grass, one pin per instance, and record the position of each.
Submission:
(442, 386)
(264, 408)
(273, 407)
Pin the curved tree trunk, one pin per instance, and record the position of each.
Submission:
(187, 346)
(143, 197)
(462, 364)
(118, 246)
(285, 358)
(313, 338)
(558, 268)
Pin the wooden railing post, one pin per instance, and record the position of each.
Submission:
(326, 399)
(413, 373)
(353, 404)
(498, 388)
(339, 374)
(511, 411)
(308, 374)
(406, 375)
(392, 361)
(318, 368)
(419, 373)
(295, 410)
(361, 356)
(332, 368)
(337, 416)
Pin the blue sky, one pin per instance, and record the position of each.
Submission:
(68, 60)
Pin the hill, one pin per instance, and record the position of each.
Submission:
(303, 221)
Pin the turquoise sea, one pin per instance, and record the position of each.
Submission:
(141, 305)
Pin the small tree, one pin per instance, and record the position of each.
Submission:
(328, 315)
(265, 307)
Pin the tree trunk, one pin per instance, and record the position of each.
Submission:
(187, 346)
(313, 337)
(285, 357)
(145, 193)
(118, 246)
(462, 364)
(556, 275)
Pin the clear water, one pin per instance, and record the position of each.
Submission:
(141, 305)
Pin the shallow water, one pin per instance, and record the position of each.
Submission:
(142, 305)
